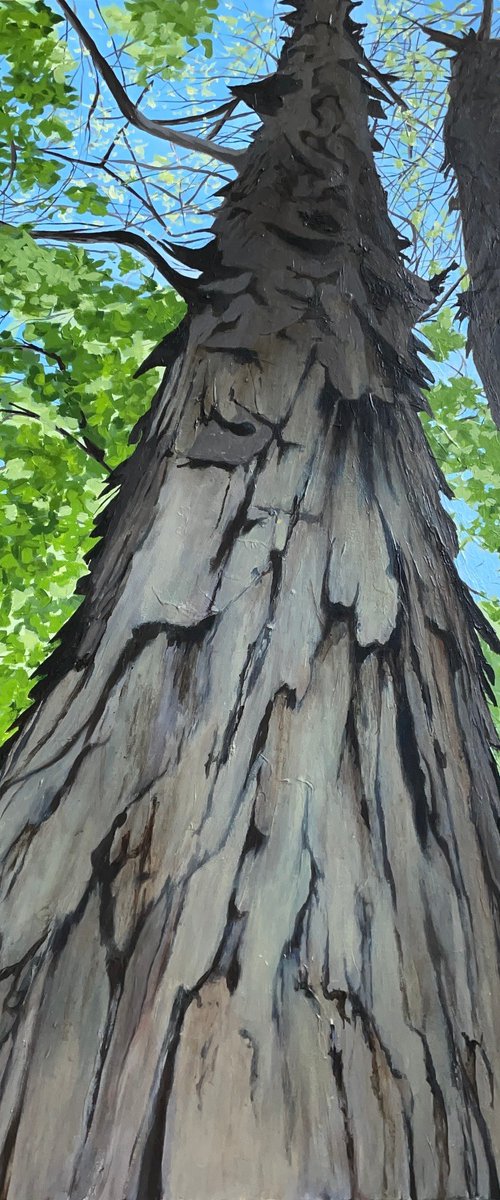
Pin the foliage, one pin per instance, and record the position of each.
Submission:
(464, 438)
(467, 447)
(412, 160)
(35, 103)
(76, 325)
(158, 33)
(68, 404)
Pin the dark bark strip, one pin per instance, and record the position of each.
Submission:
(472, 142)
(249, 831)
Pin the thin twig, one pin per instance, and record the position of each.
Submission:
(382, 79)
(212, 112)
(446, 296)
(101, 165)
(131, 111)
(92, 108)
(12, 168)
(449, 40)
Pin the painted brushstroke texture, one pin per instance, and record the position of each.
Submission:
(249, 833)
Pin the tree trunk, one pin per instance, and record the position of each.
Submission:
(250, 828)
(472, 143)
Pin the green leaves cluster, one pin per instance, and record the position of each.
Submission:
(159, 33)
(74, 326)
(36, 92)
(466, 444)
(463, 436)
(76, 335)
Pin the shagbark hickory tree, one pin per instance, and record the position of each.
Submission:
(249, 828)
(472, 144)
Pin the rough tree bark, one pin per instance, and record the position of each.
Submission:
(472, 142)
(249, 830)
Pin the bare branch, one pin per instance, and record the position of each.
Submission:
(132, 112)
(225, 117)
(122, 237)
(102, 165)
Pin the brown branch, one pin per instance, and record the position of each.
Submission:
(130, 110)
(123, 237)
(101, 165)
(23, 345)
(225, 117)
(88, 446)
(143, 180)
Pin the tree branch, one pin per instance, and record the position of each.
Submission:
(123, 237)
(212, 112)
(441, 37)
(130, 110)
(432, 312)
(383, 80)
(484, 31)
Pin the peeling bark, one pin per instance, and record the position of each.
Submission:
(249, 831)
(472, 142)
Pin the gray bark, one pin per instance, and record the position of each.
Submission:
(472, 142)
(249, 831)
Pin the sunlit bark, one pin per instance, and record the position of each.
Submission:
(472, 141)
(250, 829)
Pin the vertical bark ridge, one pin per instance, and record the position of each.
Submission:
(472, 145)
(250, 847)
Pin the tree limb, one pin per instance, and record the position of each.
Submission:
(484, 31)
(123, 237)
(130, 110)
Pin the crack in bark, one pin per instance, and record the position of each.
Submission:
(150, 1178)
(282, 331)
(338, 1075)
